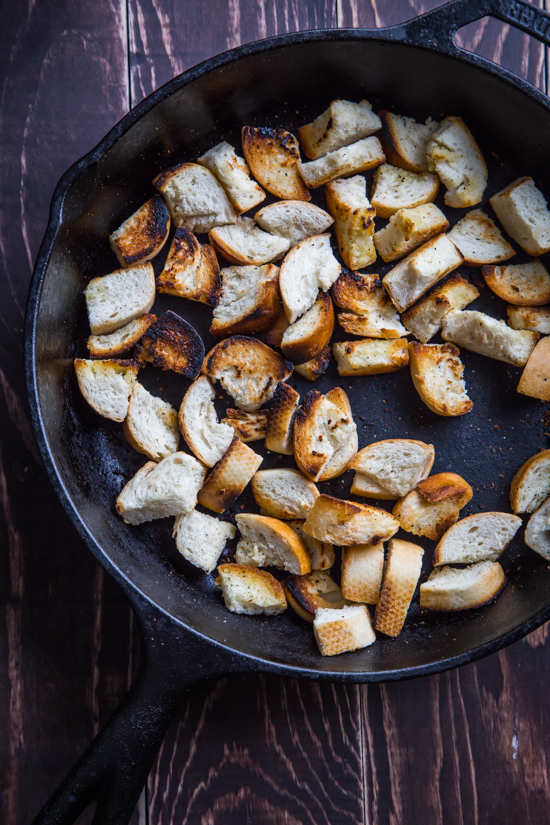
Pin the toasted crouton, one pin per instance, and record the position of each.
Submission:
(310, 334)
(280, 421)
(537, 532)
(403, 569)
(250, 591)
(118, 343)
(321, 552)
(143, 234)
(535, 378)
(479, 240)
(205, 435)
(234, 175)
(437, 373)
(201, 539)
(322, 432)
(522, 210)
(537, 319)
(481, 537)
(453, 153)
(107, 385)
(151, 425)
(371, 356)
(160, 490)
(483, 334)
(362, 568)
(173, 344)
(284, 494)
(312, 370)
(247, 369)
(531, 484)
(274, 335)
(195, 197)
(342, 123)
(344, 630)
(340, 459)
(308, 267)
(249, 300)
(273, 156)
(116, 299)
(248, 426)
(269, 542)
(353, 220)
(395, 189)
(371, 312)
(245, 243)
(350, 160)
(395, 464)
(424, 318)
(523, 284)
(434, 505)
(306, 594)
(348, 523)
(404, 141)
(451, 588)
(408, 228)
(293, 220)
(362, 485)
(420, 270)
(191, 270)
(229, 477)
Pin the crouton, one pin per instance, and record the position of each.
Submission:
(531, 484)
(522, 210)
(306, 594)
(274, 335)
(340, 125)
(172, 344)
(438, 377)
(310, 334)
(279, 430)
(344, 630)
(420, 270)
(535, 378)
(116, 299)
(451, 588)
(481, 537)
(248, 426)
(159, 490)
(247, 369)
(151, 425)
(395, 189)
(537, 319)
(362, 568)
(191, 270)
(234, 175)
(435, 504)
(206, 437)
(273, 156)
(201, 539)
(338, 462)
(479, 240)
(249, 300)
(371, 312)
(353, 220)
(143, 234)
(321, 432)
(195, 197)
(269, 542)
(404, 141)
(250, 591)
(312, 370)
(348, 523)
(537, 532)
(424, 318)
(408, 228)
(229, 477)
(453, 153)
(403, 569)
(284, 494)
(371, 356)
(308, 267)
(483, 334)
(395, 464)
(321, 552)
(350, 160)
(523, 284)
(293, 220)
(244, 242)
(118, 343)
(107, 385)
(362, 485)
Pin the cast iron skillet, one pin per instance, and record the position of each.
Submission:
(188, 636)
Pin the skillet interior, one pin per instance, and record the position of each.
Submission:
(288, 86)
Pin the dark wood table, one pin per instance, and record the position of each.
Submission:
(466, 747)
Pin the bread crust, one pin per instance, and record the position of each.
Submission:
(434, 505)
(349, 160)
(248, 426)
(424, 357)
(261, 316)
(229, 477)
(362, 568)
(312, 370)
(535, 378)
(307, 337)
(191, 270)
(234, 175)
(536, 319)
(291, 544)
(401, 574)
(273, 156)
(142, 236)
(443, 486)
(314, 424)
(306, 594)
(280, 420)
(337, 521)
(172, 344)
(523, 284)
(365, 458)
(425, 317)
(531, 231)
(353, 220)
(393, 146)
(299, 497)
(371, 356)
(436, 594)
(120, 342)
(534, 472)
(274, 335)
(255, 586)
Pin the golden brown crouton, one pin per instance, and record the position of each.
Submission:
(273, 156)
(229, 477)
(348, 523)
(280, 420)
(191, 270)
(401, 575)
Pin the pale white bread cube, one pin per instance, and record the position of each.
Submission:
(116, 299)
(229, 477)
(234, 175)
(523, 284)
(321, 552)
(151, 425)
(337, 521)
(531, 484)
(243, 242)
(537, 532)
(481, 537)
(362, 568)
(306, 594)
(191, 270)
(344, 122)
(350, 160)
(118, 343)
(293, 220)
(362, 485)
(452, 588)
(143, 234)
(250, 591)
(273, 156)
(307, 268)
(395, 189)
(522, 210)
(435, 504)
(395, 464)
(370, 311)
(479, 240)
(280, 420)
(247, 369)
(310, 334)
(274, 335)
(453, 153)
(195, 197)
(401, 574)
(404, 141)
(249, 300)
(270, 542)
(409, 228)
(535, 378)
(420, 270)
(485, 335)
(344, 630)
(284, 494)
(107, 385)
(247, 426)
(537, 319)
(371, 356)
(322, 431)
(206, 437)
(353, 220)
(425, 317)
(201, 539)
(312, 370)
